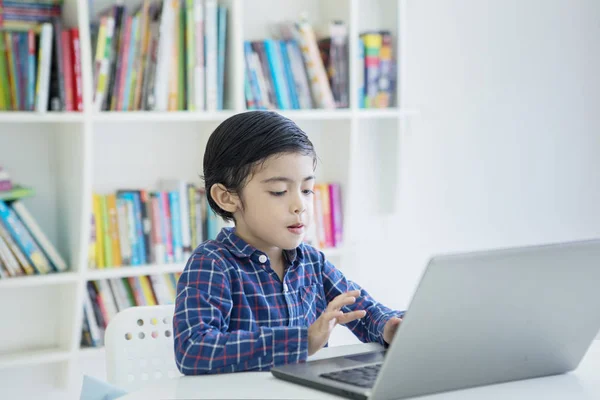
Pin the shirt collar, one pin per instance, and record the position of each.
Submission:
(240, 248)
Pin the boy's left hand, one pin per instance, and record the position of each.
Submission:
(390, 328)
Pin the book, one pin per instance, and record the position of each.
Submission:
(16, 192)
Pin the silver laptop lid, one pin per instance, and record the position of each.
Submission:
(495, 316)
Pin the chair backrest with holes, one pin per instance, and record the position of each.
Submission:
(139, 347)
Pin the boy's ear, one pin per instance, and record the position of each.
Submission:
(225, 199)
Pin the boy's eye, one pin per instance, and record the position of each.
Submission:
(307, 191)
(278, 193)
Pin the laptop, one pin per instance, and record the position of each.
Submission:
(476, 319)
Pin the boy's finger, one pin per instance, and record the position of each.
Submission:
(330, 315)
(337, 304)
(351, 316)
(343, 300)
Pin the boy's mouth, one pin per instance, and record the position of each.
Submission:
(297, 229)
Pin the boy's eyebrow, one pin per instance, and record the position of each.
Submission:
(284, 179)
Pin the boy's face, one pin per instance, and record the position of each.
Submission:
(278, 202)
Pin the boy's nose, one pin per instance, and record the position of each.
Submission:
(298, 206)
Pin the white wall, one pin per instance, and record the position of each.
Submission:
(507, 148)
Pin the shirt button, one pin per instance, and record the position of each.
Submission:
(285, 288)
(262, 259)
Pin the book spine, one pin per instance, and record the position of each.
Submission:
(59, 61)
(145, 208)
(145, 37)
(221, 57)
(289, 77)
(44, 64)
(41, 239)
(190, 56)
(275, 66)
(372, 47)
(166, 224)
(320, 88)
(31, 69)
(4, 78)
(16, 251)
(181, 61)
(113, 228)
(23, 238)
(68, 69)
(176, 237)
(199, 70)
(384, 96)
(8, 260)
(12, 68)
(19, 48)
(97, 211)
(336, 213)
(106, 231)
(123, 225)
(211, 37)
(360, 67)
(158, 244)
(77, 79)
(116, 42)
(139, 229)
(121, 103)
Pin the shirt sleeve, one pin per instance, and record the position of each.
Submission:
(204, 345)
(370, 327)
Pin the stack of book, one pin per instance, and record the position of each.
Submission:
(105, 298)
(163, 56)
(296, 70)
(377, 82)
(40, 59)
(326, 230)
(138, 226)
(24, 248)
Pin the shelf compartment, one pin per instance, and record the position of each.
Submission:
(39, 118)
(128, 271)
(160, 116)
(39, 280)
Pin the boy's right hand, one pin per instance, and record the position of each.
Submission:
(319, 331)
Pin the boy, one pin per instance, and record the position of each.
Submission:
(257, 296)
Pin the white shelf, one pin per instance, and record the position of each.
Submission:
(194, 116)
(38, 118)
(157, 269)
(39, 280)
(33, 357)
(127, 271)
(378, 113)
(159, 116)
(217, 116)
(317, 114)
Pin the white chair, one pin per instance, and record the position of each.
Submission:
(139, 347)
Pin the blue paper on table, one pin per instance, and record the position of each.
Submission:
(95, 389)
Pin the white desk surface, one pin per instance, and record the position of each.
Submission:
(583, 383)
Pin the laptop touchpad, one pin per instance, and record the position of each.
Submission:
(367, 358)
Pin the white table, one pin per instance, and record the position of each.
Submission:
(583, 383)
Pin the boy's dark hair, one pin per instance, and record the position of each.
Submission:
(243, 141)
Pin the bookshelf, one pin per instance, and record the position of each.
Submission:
(68, 155)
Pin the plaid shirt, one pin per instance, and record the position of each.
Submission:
(233, 313)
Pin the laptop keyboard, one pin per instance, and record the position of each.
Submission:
(360, 376)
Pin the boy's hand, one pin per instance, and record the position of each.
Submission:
(390, 328)
(319, 331)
